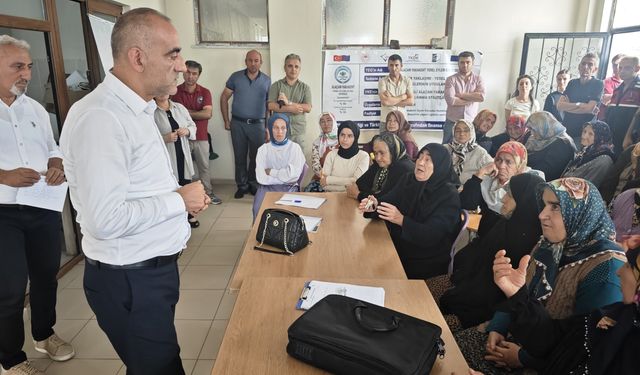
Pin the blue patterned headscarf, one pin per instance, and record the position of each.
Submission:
(545, 129)
(589, 228)
(273, 119)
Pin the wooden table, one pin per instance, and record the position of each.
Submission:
(256, 337)
(346, 244)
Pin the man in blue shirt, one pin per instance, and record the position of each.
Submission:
(250, 88)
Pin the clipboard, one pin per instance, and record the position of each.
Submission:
(313, 291)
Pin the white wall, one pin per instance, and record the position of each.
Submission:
(495, 27)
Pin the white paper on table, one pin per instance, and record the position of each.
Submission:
(304, 201)
(315, 290)
(43, 196)
(311, 223)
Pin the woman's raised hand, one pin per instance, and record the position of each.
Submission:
(508, 279)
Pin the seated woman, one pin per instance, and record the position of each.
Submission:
(391, 163)
(550, 147)
(522, 102)
(177, 128)
(345, 165)
(623, 175)
(326, 141)
(397, 124)
(486, 189)
(466, 155)
(422, 213)
(625, 213)
(474, 297)
(572, 270)
(279, 163)
(604, 341)
(596, 157)
(483, 123)
(516, 131)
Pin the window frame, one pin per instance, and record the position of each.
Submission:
(201, 42)
(385, 29)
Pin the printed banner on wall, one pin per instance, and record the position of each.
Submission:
(350, 84)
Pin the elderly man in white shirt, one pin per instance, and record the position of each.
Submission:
(30, 236)
(132, 212)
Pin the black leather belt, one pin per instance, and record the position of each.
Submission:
(248, 120)
(149, 263)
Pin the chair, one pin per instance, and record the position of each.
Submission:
(464, 215)
(305, 169)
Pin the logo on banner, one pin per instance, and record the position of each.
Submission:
(435, 57)
(341, 58)
(343, 74)
(413, 58)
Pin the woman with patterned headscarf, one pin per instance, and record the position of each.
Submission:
(486, 188)
(326, 141)
(550, 147)
(572, 269)
(279, 163)
(602, 342)
(516, 130)
(391, 163)
(595, 158)
(466, 155)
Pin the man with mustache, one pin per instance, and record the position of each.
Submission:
(30, 236)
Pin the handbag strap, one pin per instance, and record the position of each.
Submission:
(392, 326)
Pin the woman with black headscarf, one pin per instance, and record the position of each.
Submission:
(475, 294)
(595, 158)
(422, 213)
(391, 163)
(345, 165)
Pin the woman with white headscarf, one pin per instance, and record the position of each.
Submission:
(466, 155)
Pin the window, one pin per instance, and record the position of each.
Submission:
(624, 27)
(233, 21)
(377, 22)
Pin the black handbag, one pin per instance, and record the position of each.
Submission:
(343, 335)
(283, 230)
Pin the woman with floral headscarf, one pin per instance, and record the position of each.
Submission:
(596, 157)
(486, 188)
(550, 147)
(279, 163)
(396, 123)
(572, 268)
(466, 155)
(516, 130)
(326, 141)
(391, 163)
(602, 342)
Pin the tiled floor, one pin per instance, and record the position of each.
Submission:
(201, 315)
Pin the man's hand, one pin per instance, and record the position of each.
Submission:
(390, 213)
(170, 137)
(182, 132)
(19, 177)
(227, 125)
(194, 197)
(284, 98)
(54, 176)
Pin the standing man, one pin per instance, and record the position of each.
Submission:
(624, 104)
(580, 100)
(293, 97)
(250, 90)
(132, 212)
(462, 92)
(30, 236)
(562, 78)
(197, 100)
(395, 91)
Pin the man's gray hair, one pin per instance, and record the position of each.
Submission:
(292, 56)
(7, 40)
(132, 28)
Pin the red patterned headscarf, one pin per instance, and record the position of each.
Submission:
(518, 151)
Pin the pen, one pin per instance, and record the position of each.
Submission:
(291, 200)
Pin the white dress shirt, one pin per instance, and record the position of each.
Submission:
(26, 140)
(120, 177)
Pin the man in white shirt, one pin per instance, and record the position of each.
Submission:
(395, 91)
(132, 212)
(30, 235)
